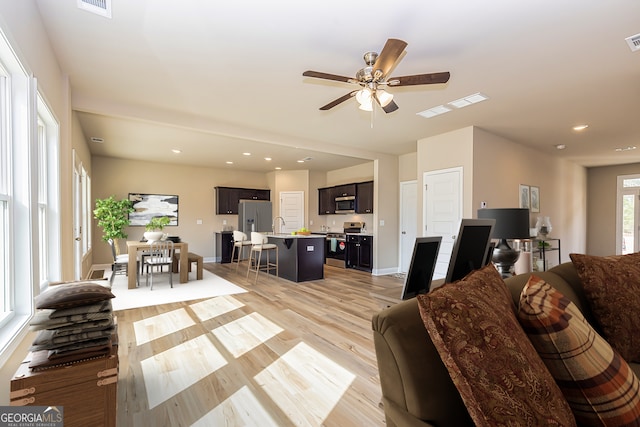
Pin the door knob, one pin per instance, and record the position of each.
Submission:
(77, 239)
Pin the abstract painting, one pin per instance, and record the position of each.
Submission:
(147, 206)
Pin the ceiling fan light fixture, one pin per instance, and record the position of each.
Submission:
(363, 96)
(384, 97)
(367, 106)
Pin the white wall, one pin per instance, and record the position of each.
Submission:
(21, 24)
(494, 168)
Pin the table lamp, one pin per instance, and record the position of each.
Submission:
(511, 223)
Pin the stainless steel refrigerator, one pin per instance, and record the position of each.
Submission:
(254, 215)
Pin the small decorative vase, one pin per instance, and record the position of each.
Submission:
(153, 236)
(543, 225)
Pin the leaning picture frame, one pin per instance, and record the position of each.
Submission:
(524, 196)
(147, 206)
(534, 193)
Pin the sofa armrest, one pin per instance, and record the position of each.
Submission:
(412, 375)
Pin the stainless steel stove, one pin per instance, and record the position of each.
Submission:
(337, 243)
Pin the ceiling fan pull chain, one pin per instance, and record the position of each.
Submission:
(373, 112)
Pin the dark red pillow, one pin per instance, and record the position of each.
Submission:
(612, 287)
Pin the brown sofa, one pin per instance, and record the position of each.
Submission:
(416, 387)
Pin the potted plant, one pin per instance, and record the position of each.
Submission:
(154, 228)
(113, 218)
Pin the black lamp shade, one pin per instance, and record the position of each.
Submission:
(511, 223)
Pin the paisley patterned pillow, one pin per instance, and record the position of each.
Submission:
(499, 375)
(599, 385)
(612, 287)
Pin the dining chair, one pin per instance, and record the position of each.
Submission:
(260, 243)
(120, 263)
(160, 255)
(240, 241)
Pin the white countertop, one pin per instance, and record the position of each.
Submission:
(294, 236)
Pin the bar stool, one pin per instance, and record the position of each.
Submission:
(258, 245)
(240, 240)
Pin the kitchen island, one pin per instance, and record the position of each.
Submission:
(300, 258)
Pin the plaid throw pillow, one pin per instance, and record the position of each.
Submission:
(599, 385)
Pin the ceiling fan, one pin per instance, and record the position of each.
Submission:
(373, 78)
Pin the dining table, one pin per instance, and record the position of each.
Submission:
(133, 246)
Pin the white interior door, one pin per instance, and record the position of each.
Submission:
(408, 222)
(291, 210)
(443, 212)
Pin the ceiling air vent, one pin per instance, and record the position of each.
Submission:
(99, 7)
(634, 42)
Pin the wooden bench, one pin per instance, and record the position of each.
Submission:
(192, 258)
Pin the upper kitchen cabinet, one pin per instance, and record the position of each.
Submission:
(344, 190)
(362, 191)
(364, 197)
(326, 201)
(227, 198)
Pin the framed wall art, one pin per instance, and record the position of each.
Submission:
(147, 206)
(535, 199)
(524, 196)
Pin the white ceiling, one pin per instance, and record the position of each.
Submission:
(216, 79)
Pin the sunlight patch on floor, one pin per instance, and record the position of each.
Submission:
(213, 307)
(304, 375)
(152, 328)
(240, 409)
(244, 334)
(170, 372)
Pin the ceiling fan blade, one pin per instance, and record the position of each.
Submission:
(327, 76)
(339, 100)
(390, 107)
(419, 79)
(391, 51)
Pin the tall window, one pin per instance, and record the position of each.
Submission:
(48, 195)
(628, 218)
(29, 198)
(5, 196)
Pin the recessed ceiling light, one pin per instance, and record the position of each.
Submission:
(300, 161)
(176, 151)
(560, 147)
(97, 140)
(246, 154)
(278, 168)
(629, 148)
(578, 128)
(268, 159)
(229, 162)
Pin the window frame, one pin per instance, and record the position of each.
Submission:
(30, 200)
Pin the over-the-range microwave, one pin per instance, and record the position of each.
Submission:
(346, 204)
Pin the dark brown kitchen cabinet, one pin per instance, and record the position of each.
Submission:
(344, 190)
(359, 252)
(326, 201)
(364, 197)
(227, 198)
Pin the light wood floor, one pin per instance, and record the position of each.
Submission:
(282, 354)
